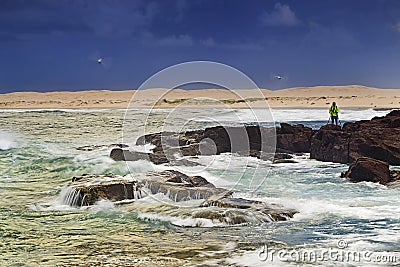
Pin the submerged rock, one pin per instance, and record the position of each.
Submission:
(87, 189)
(218, 204)
(96, 147)
(178, 186)
(232, 210)
(276, 161)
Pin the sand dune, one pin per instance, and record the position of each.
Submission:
(352, 96)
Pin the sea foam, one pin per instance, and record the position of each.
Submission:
(8, 140)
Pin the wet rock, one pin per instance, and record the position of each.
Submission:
(369, 170)
(96, 147)
(178, 186)
(394, 184)
(276, 161)
(295, 138)
(229, 202)
(395, 175)
(177, 177)
(87, 189)
(232, 210)
(158, 157)
(330, 143)
(377, 138)
(218, 204)
(283, 156)
(118, 154)
(266, 156)
(212, 141)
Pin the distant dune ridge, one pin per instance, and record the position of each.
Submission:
(351, 96)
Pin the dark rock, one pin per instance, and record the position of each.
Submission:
(230, 202)
(369, 170)
(394, 175)
(394, 113)
(239, 210)
(180, 178)
(219, 205)
(87, 189)
(283, 156)
(330, 143)
(211, 141)
(377, 138)
(295, 138)
(118, 154)
(276, 161)
(96, 147)
(178, 186)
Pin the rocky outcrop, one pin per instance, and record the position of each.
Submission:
(294, 139)
(218, 205)
(214, 140)
(119, 154)
(371, 170)
(377, 138)
(255, 141)
(96, 147)
(178, 186)
(330, 143)
(274, 212)
(87, 189)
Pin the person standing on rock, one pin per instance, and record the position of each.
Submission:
(334, 112)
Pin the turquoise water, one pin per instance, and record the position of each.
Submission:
(38, 157)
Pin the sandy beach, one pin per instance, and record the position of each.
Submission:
(353, 96)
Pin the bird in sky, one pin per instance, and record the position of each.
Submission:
(278, 77)
(100, 60)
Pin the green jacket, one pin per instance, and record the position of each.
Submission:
(334, 111)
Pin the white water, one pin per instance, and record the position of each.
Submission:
(9, 140)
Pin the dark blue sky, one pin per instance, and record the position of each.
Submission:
(48, 45)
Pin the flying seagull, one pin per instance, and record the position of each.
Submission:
(100, 60)
(278, 77)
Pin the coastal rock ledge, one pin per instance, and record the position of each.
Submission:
(218, 205)
(377, 138)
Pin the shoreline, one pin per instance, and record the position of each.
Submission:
(350, 97)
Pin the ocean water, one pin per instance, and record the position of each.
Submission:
(38, 157)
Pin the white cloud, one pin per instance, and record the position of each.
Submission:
(397, 26)
(322, 36)
(175, 40)
(210, 42)
(281, 15)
